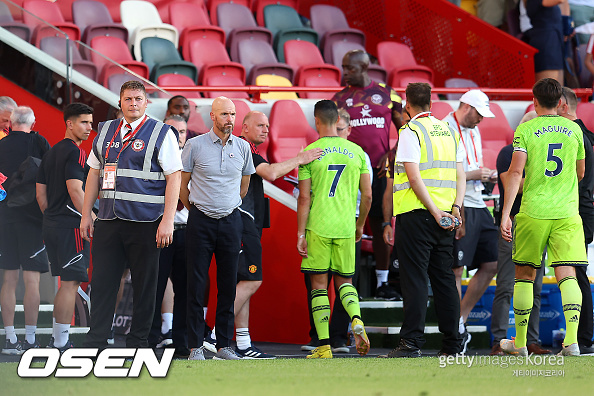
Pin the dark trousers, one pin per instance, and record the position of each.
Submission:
(206, 236)
(585, 327)
(116, 242)
(426, 249)
(172, 263)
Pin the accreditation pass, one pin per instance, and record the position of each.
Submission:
(109, 176)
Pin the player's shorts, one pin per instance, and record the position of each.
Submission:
(325, 255)
(480, 243)
(21, 246)
(250, 255)
(68, 253)
(564, 239)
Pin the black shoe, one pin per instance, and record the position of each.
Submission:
(181, 353)
(62, 349)
(165, 339)
(313, 344)
(586, 349)
(387, 293)
(403, 350)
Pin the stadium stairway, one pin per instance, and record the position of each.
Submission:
(384, 318)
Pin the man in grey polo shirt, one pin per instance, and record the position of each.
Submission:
(218, 166)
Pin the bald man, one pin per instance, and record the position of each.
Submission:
(372, 107)
(254, 130)
(219, 166)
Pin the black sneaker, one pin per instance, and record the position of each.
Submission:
(181, 353)
(27, 346)
(165, 339)
(403, 350)
(387, 293)
(13, 348)
(313, 344)
(253, 352)
(68, 345)
(210, 343)
(340, 348)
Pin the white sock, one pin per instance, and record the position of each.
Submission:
(10, 334)
(30, 334)
(113, 320)
(382, 276)
(461, 327)
(242, 337)
(213, 334)
(205, 311)
(61, 334)
(53, 327)
(167, 322)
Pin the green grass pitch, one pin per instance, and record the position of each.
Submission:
(353, 377)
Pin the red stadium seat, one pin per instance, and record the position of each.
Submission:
(289, 133)
(585, 112)
(49, 12)
(258, 7)
(115, 81)
(196, 123)
(177, 80)
(311, 71)
(490, 157)
(213, 4)
(241, 109)
(399, 61)
(238, 23)
(441, 109)
(117, 50)
(192, 21)
(17, 28)
(285, 24)
(93, 19)
(405, 80)
(212, 60)
(458, 83)
(258, 58)
(56, 47)
(496, 132)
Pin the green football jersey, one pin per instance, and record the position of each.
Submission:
(334, 186)
(553, 145)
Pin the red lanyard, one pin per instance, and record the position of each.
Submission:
(117, 132)
(471, 139)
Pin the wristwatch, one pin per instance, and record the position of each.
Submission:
(386, 223)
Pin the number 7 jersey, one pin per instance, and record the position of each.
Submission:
(334, 186)
(553, 145)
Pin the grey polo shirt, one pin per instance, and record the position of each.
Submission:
(216, 172)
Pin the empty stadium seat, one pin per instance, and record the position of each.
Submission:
(332, 27)
(50, 13)
(285, 25)
(258, 58)
(115, 81)
(585, 112)
(117, 50)
(289, 133)
(177, 80)
(311, 71)
(490, 158)
(193, 23)
(213, 5)
(458, 83)
(238, 23)
(196, 123)
(400, 62)
(56, 47)
(161, 57)
(258, 7)
(93, 19)
(269, 80)
(441, 109)
(241, 109)
(212, 61)
(17, 28)
(495, 132)
(142, 19)
(340, 48)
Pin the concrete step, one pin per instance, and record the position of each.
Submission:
(388, 336)
(43, 335)
(390, 313)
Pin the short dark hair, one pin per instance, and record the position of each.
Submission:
(547, 92)
(570, 98)
(175, 117)
(326, 111)
(132, 85)
(176, 97)
(73, 110)
(419, 95)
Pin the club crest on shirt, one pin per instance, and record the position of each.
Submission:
(349, 102)
(376, 99)
(137, 145)
(252, 268)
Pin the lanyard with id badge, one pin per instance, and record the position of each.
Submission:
(110, 168)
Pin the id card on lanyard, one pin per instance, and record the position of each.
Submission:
(110, 169)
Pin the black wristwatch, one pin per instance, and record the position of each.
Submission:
(386, 223)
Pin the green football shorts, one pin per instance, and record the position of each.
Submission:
(324, 255)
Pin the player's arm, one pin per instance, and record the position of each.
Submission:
(184, 190)
(514, 179)
(504, 180)
(271, 172)
(91, 193)
(365, 188)
(303, 206)
(164, 235)
(245, 184)
(396, 115)
(388, 211)
(41, 195)
(580, 168)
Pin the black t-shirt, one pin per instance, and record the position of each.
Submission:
(65, 161)
(503, 162)
(586, 185)
(253, 202)
(14, 149)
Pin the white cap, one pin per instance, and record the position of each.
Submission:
(477, 99)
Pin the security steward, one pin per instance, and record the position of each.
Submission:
(427, 192)
(136, 171)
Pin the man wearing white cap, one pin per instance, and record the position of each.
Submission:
(475, 245)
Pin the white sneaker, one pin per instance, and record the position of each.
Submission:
(197, 354)
(509, 347)
(227, 353)
(570, 350)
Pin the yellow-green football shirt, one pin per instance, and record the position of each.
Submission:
(553, 145)
(334, 186)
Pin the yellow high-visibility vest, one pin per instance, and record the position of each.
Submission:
(439, 144)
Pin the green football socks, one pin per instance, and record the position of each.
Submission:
(523, 300)
(571, 296)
